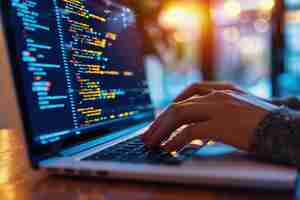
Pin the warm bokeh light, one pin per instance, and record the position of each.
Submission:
(232, 8)
(179, 37)
(261, 25)
(250, 46)
(293, 16)
(266, 5)
(231, 35)
(180, 15)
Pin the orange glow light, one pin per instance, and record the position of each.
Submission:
(293, 16)
(267, 5)
(231, 35)
(178, 16)
(232, 8)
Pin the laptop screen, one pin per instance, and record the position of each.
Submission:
(79, 69)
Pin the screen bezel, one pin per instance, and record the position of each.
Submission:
(51, 149)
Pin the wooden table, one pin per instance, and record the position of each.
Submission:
(19, 182)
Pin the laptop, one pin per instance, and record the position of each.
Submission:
(76, 67)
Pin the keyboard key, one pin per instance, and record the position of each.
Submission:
(134, 151)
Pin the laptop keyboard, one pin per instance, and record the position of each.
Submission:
(134, 151)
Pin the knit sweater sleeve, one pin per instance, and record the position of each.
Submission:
(277, 137)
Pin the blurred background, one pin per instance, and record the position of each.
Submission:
(290, 75)
(252, 43)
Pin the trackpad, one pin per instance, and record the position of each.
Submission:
(215, 150)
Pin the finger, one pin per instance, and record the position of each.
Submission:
(225, 85)
(146, 137)
(195, 89)
(190, 133)
(176, 116)
(213, 97)
(155, 125)
(205, 88)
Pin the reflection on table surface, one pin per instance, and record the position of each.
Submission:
(19, 182)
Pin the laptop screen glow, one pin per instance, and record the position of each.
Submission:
(79, 66)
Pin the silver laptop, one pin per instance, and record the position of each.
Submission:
(77, 69)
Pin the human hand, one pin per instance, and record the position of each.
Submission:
(224, 116)
(205, 88)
